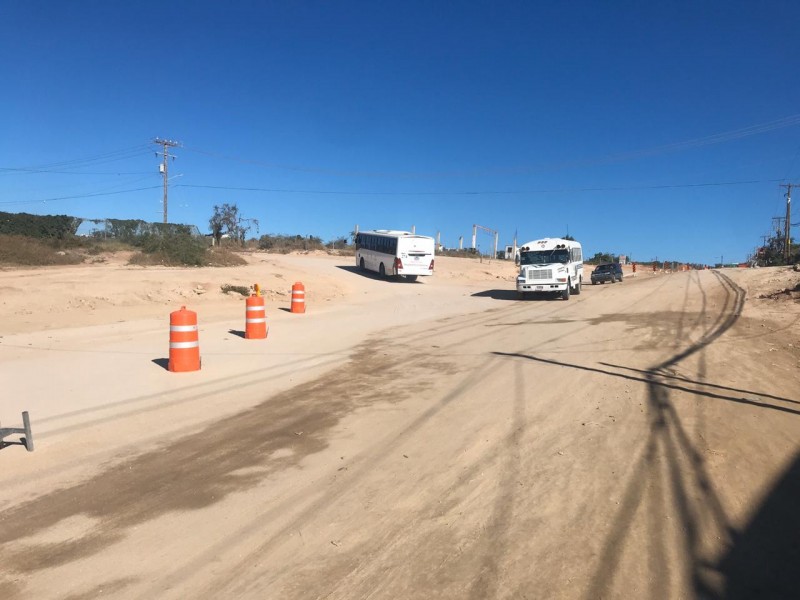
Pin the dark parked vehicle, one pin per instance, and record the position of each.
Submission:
(608, 272)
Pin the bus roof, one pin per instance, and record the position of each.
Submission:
(548, 244)
(393, 233)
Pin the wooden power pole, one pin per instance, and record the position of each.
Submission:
(786, 225)
(164, 166)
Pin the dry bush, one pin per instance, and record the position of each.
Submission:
(348, 250)
(19, 250)
(93, 246)
(222, 257)
(285, 244)
(239, 289)
(143, 259)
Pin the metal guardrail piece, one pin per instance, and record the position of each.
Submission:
(27, 440)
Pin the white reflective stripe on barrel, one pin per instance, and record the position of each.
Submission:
(254, 308)
(181, 345)
(183, 327)
(298, 300)
(298, 293)
(262, 320)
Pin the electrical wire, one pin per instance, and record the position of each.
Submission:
(79, 172)
(480, 193)
(79, 196)
(717, 138)
(77, 163)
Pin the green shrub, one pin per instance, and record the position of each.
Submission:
(38, 226)
(171, 249)
(283, 244)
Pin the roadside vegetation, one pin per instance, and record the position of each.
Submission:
(43, 240)
(236, 289)
(18, 250)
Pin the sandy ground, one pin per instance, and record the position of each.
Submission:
(438, 439)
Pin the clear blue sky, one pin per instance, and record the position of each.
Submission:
(651, 129)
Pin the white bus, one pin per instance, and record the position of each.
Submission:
(395, 253)
(550, 265)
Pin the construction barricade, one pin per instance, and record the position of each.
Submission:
(298, 298)
(255, 316)
(184, 344)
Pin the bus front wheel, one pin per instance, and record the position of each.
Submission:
(361, 265)
(565, 293)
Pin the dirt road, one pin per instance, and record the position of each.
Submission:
(432, 440)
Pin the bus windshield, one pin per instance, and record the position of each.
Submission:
(544, 257)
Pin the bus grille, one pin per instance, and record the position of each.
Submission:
(540, 274)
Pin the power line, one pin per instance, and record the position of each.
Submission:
(32, 171)
(102, 158)
(716, 138)
(476, 192)
(7, 202)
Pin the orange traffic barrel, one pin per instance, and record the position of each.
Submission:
(255, 318)
(298, 298)
(184, 346)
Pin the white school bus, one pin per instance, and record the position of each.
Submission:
(395, 253)
(550, 265)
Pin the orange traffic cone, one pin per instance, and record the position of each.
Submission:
(184, 346)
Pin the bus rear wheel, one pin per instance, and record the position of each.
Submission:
(411, 277)
(382, 271)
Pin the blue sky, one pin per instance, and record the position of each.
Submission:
(649, 129)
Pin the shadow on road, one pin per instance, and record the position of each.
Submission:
(669, 482)
(763, 561)
(514, 295)
(372, 275)
(498, 294)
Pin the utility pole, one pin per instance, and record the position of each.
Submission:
(787, 230)
(166, 144)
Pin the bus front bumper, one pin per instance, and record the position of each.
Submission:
(523, 286)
